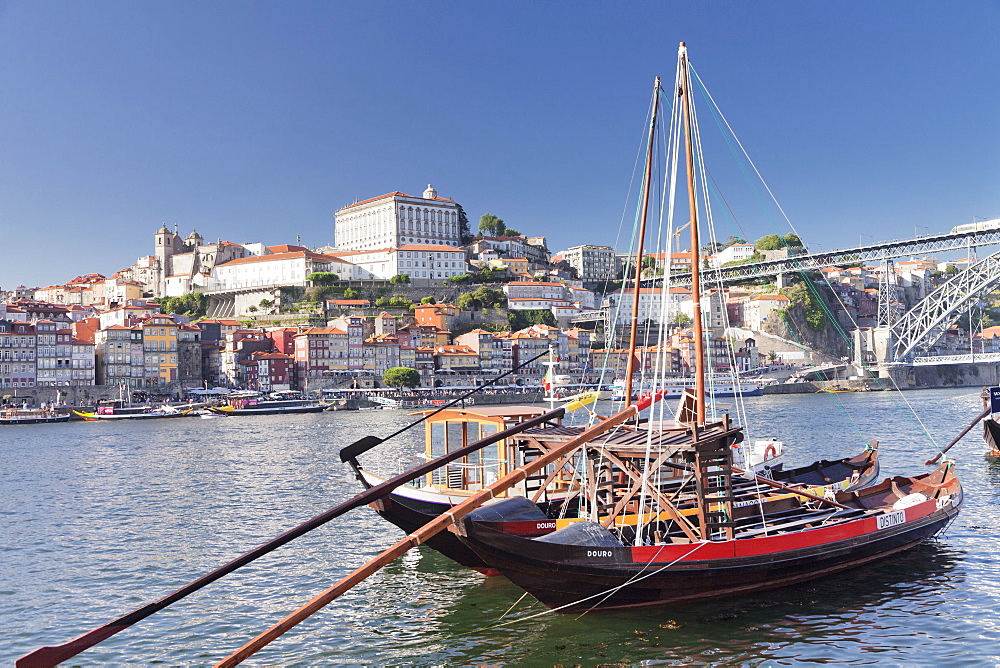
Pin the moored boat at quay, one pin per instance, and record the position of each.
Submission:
(411, 506)
(238, 407)
(586, 566)
(146, 413)
(13, 416)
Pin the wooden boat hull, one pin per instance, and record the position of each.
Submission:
(34, 420)
(574, 578)
(411, 509)
(270, 411)
(94, 417)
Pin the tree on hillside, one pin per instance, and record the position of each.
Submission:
(194, 304)
(400, 279)
(481, 297)
(464, 231)
(322, 278)
(526, 317)
(776, 241)
(401, 376)
(769, 242)
(491, 226)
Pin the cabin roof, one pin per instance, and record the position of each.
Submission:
(486, 411)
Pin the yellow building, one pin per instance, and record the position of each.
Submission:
(159, 349)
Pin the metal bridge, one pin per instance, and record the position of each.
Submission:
(913, 336)
(874, 253)
(924, 324)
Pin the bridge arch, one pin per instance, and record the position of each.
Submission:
(923, 325)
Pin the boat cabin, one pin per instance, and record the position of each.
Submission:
(455, 428)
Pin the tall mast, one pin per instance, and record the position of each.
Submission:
(699, 338)
(634, 326)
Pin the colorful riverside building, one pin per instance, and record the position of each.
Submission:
(159, 347)
(269, 372)
(23, 367)
(54, 353)
(321, 351)
(17, 354)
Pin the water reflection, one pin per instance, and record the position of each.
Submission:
(816, 619)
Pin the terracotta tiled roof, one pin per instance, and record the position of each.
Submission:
(395, 194)
(286, 248)
(277, 257)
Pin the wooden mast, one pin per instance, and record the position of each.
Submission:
(644, 210)
(684, 93)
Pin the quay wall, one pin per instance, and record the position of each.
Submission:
(945, 375)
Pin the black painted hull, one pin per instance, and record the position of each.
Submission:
(35, 420)
(574, 578)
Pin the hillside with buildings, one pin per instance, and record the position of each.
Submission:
(405, 283)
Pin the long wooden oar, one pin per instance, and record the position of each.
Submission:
(429, 530)
(365, 444)
(50, 656)
(958, 438)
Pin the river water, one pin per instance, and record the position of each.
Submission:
(97, 519)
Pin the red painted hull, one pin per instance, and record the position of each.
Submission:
(573, 578)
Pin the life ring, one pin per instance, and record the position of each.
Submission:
(770, 453)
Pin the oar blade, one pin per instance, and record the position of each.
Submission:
(357, 447)
(47, 657)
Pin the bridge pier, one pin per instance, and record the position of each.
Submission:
(943, 375)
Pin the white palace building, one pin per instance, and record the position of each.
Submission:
(400, 234)
(396, 220)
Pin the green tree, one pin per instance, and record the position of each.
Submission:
(508, 232)
(428, 300)
(769, 242)
(776, 241)
(461, 278)
(732, 240)
(522, 318)
(400, 279)
(322, 278)
(351, 293)
(401, 376)
(400, 302)
(194, 304)
(464, 232)
(491, 226)
(682, 319)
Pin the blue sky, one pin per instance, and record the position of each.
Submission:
(255, 121)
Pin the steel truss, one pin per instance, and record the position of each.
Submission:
(874, 253)
(922, 326)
